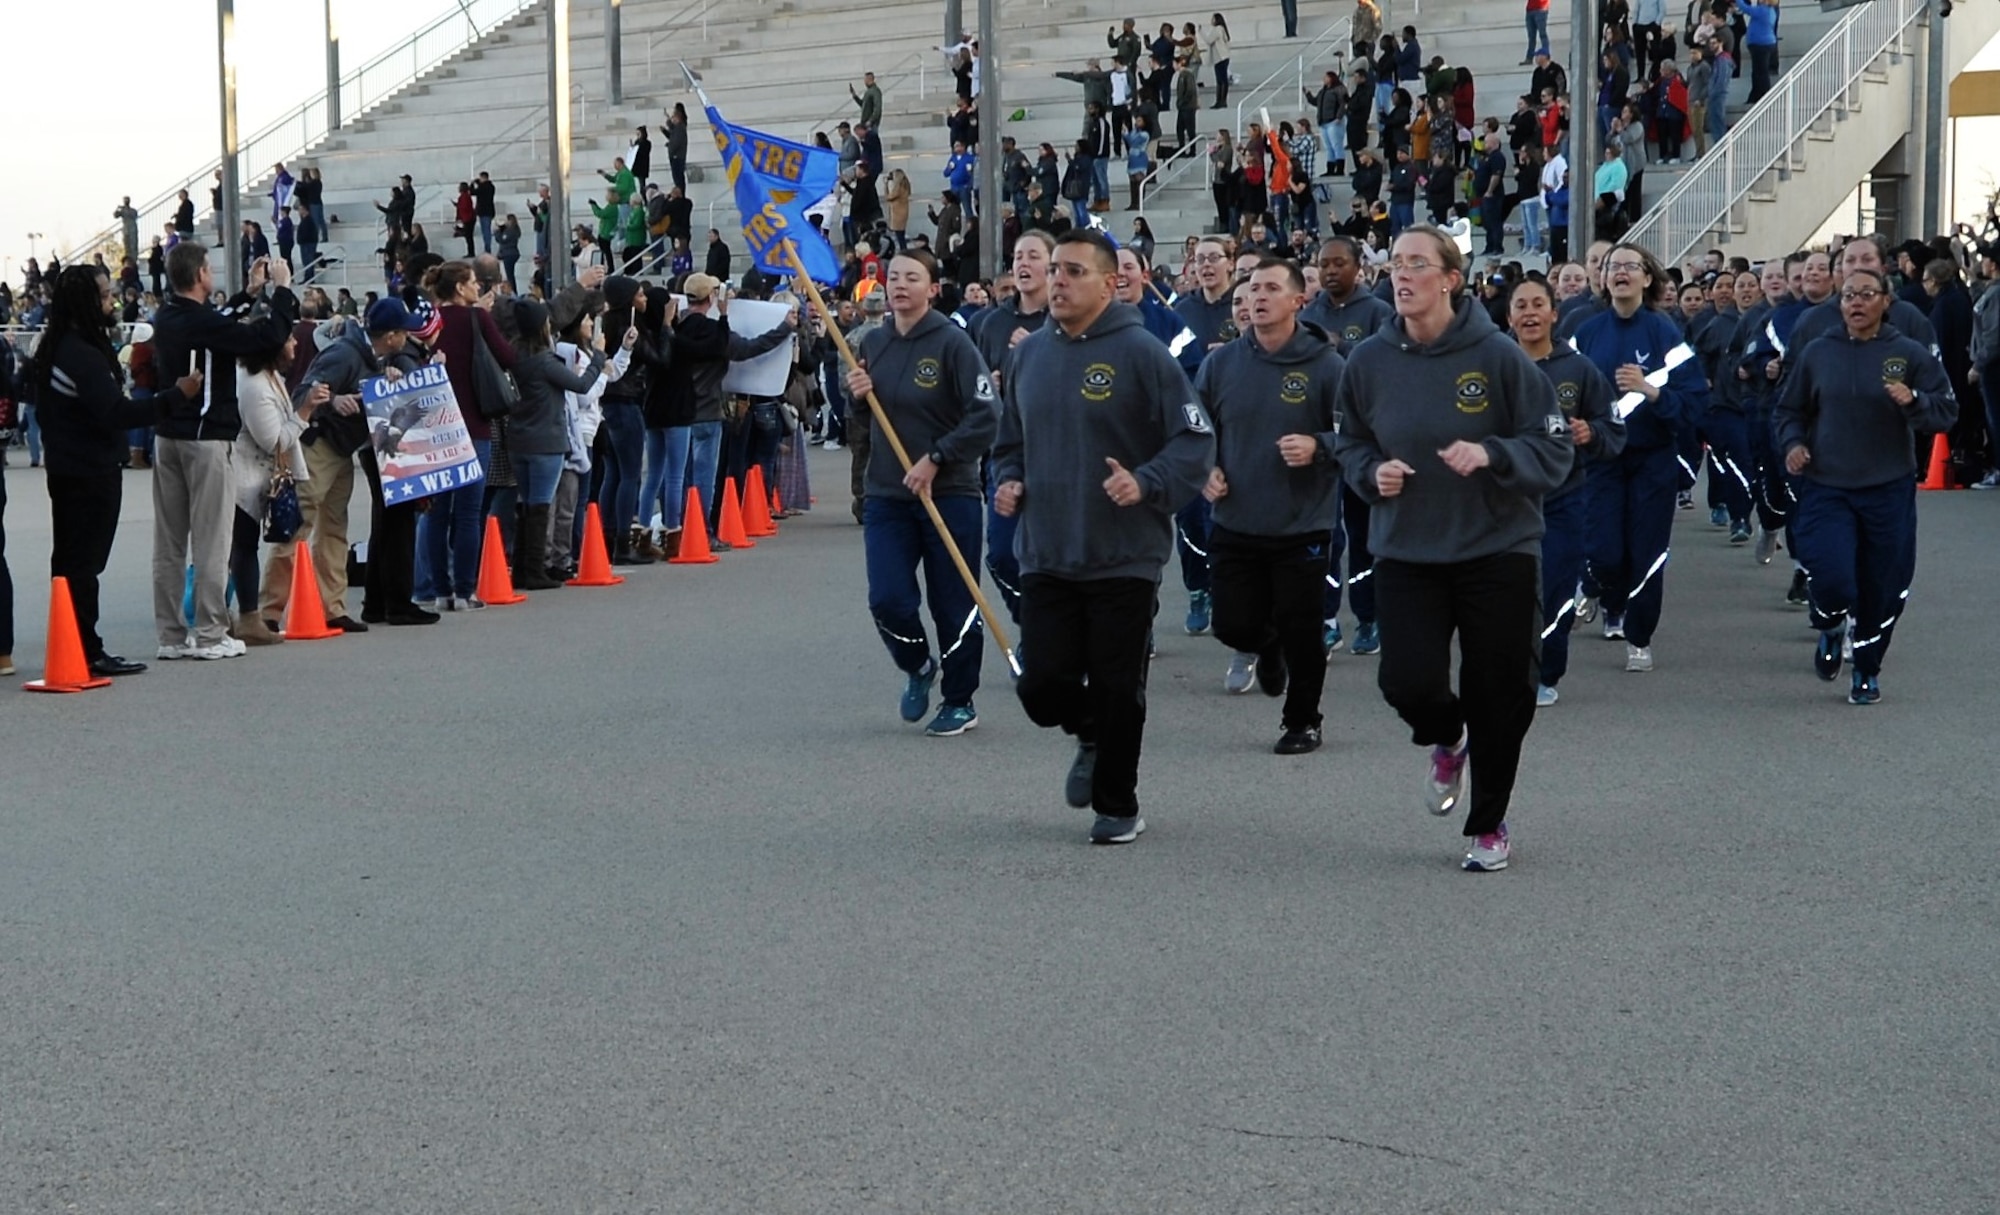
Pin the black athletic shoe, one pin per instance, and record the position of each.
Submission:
(1076, 789)
(1826, 655)
(1271, 673)
(1298, 741)
(1109, 830)
(1796, 596)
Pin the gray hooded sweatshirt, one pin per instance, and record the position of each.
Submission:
(1112, 392)
(1407, 401)
(1583, 392)
(940, 400)
(1256, 397)
(1350, 322)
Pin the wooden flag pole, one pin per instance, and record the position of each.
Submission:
(986, 612)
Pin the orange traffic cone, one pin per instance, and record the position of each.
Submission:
(757, 519)
(1939, 476)
(67, 669)
(496, 581)
(595, 567)
(694, 535)
(729, 529)
(777, 505)
(305, 612)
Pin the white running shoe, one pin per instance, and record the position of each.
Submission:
(1638, 657)
(228, 647)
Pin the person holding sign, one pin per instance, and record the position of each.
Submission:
(1452, 436)
(1101, 441)
(1631, 503)
(930, 381)
(1845, 424)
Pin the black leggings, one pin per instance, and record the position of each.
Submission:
(243, 563)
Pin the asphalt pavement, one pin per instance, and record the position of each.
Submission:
(643, 899)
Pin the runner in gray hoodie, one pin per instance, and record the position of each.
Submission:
(1276, 492)
(1101, 440)
(1453, 435)
(937, 394)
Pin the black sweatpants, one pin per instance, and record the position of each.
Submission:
(1084, 647)
(1493, 605)
(83, 518)
(1267, 602)
(392, 546)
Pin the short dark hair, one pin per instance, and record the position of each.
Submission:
(1107, 254)
(1293, 274)
(184, 263)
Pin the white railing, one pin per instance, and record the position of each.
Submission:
(1333, 43)
(465, 22)
(1331, 46)
(1774, 129)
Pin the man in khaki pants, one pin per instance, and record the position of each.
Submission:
(351, 351)
(194, 492)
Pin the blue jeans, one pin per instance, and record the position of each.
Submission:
(1718, 117)
(659, 443)
(1538, 33)
(1079, 213)
(486, 234)
(667, 456)
(538, 475)
(448, 537)
(1100, 179)
(1493, 218)
(704, 455)
(1333, 138)
(1385, 94)
(1531, 224)
(625, 435)
(1401, 216)
(898, 536)
(31, 432)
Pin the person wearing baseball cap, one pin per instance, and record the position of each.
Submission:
(338, 431)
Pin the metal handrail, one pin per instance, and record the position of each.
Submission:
(1263, 92)
(1773, 130)
(365, 87)
(882, 82)
(1194, 151)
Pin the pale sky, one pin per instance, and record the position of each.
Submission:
(149, 113)
(150, 110)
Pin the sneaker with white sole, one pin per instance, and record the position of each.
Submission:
(1827, 655)
(1767, 546)
(1488, 853)
(228, 647)
(1330, 638)
(173, 653)
(1242, 674)
(1445, 782)
(1638, 657)
(1614, 627)
(1989, 481)
(1864, 690)
(1110, 830)
(1545, 696)
(951, 721)
(468, 603)
(1586, 607)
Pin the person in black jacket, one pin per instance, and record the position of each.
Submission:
(624, 432)
(193, 495)
(717, 266)
(84, 416)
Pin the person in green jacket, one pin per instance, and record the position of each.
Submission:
(632, 240)
(623, 184)
(607, 219)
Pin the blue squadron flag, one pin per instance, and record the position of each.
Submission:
(775, 180)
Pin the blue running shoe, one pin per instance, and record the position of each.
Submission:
(1826, 655)
(1367, 639)
(1718, 516)
(1331, 638)
(1866, 690)
(1197, 614)
(951, 721)
(917, 692)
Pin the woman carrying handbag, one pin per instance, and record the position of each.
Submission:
(269, 462)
